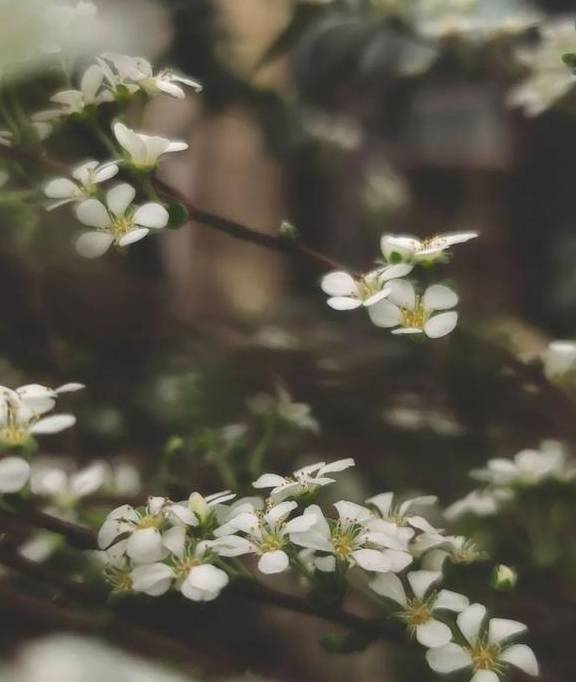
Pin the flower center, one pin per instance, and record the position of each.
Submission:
(343, 544)
(416, 318)
(184, 566)
(119, 579)
(13, 434)
(485, 657)
(148, 521)
(365, 288)
(122, 225)
(417, 613)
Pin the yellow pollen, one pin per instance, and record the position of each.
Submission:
(485, 657)
(343, 545)
(13, 435)
(122, 226)
(418, 614)
(415, 319)
(182, 567)
(148, 522)
(271, 544)
(367, 288)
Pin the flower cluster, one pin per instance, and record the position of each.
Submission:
(23, 416)
(503, 478)
(393, 302)
(193, 546)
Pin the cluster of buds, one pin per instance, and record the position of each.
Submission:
(392, 301)
(194, 547)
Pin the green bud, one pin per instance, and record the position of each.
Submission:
(288, 230)
(503, 578)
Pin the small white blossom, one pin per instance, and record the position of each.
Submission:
(418, 607)
(528, 468)
(86, 178)
(412, 250)
(89, 94)
(63, 489)
(357, 538)
(549, 78)
(487, 650)
(413, 314)
(143, 150)
(198, 509)
(266, 534)
(138, 71)
(477, 502)
(303, 481)
(21, 412)
(14, 474)
(144, 543)
(559, 359)
(348, 293)
(117, 221)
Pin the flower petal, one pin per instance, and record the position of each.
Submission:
(433, 634)
(439, 297)
(385, 314)
(269, 481)
(485, 676)
(145, 546)
(470, 622)
(441, 325)
(448, 658)
(500, 629)
(61, 188)
(133, 236)
(93, 244)
(119, 198)
(422, 581)
(151, 215)
(53, 424)
(338, 284)
(390, 586)
(521, 656)
(152, 579)
(451, 601)
(14, 472)
(273, 562)
(402, 293)
(94, 214)
(344, 303)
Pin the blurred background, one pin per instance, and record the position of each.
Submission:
(334, 117)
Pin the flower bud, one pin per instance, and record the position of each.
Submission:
(504, 578)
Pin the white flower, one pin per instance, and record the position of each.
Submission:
(487, 650)
(143, 150)
(197, 510)
(303, 481)
(144, 543)
(138, 71)
(266, 534)
(195, 577)
(400, 514)
(348, 293)
(477, 502)
(87, 176)
(63, 489)
(418, 608)
(457, 548)
(559, 359)
(70, 102)
(528, 468)
(356, 538)
(117, 222)
(285, 408)
(398, 247)
(550, 79)
(413, 314)
(21, 412)
(14, 473)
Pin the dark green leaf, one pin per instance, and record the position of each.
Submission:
(178, 216)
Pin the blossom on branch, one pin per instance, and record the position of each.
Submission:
(348, 293)
(87, 176)
(144, 151)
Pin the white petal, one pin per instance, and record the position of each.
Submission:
(521, 656)
(53, 424)
(93, 213)
(402, 293)
(49, 481)
(448, 658)
(177, 146)
(338, 465)
(119, 198)
(459, 237)
(422, 581)
(61, 188)
(91, 81)
(385, 314)
(338, 284)
(439, 297)
(372, 560)
(83, 172)
(451, 601)
(403, 245)
(151, 215)
(500, 629)
(441, 325)
(145, 546)
(93, 244)
(174, 540)
(152, 579)
(87, 481)
(279, 512)
(204, 583)
(170, 89)
(344, 303)
(70, 387)
(269, 481)
(470, 622)
(433, 634)
(14, 472)
(395, 271)
(382, 502)
(300, 524)
(130, 141)
(273, 562)
(485, 676)
(133, 236)
(105, 172)
(390, 586)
